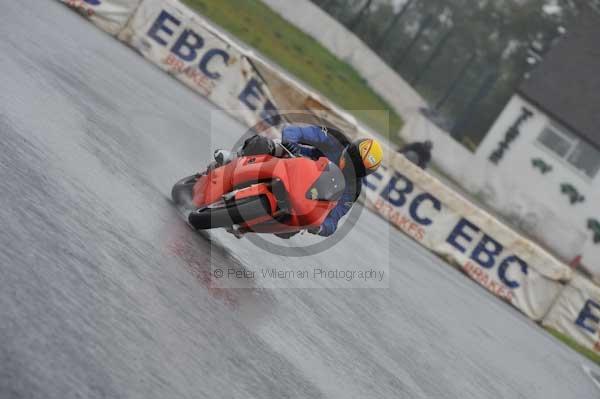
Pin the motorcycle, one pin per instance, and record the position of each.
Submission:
(261, 194)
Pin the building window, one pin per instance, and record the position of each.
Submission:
(585, 158)
(578, 153)
(559, 141)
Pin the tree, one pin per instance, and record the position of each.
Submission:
(360, 15)
(392, 24)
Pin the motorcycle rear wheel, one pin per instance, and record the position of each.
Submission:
(229, 215)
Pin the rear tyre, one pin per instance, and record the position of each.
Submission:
(228, 215)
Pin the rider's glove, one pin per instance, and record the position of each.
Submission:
(292, 147)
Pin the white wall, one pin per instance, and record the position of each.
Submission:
(536, 198)
(449, 156)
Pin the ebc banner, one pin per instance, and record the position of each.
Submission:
(187, 47)
(499, 259)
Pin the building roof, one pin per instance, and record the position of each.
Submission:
(566, 84)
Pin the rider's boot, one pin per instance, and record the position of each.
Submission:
(237, 232)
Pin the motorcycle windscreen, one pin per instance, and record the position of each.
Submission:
(329, 186)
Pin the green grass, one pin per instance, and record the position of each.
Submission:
(590, 354)
(256, 24)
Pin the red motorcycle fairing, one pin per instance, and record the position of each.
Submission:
(252, 176)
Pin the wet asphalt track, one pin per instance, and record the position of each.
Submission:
(105, 293)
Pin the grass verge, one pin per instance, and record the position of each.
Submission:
(258, 25)
(590, 354)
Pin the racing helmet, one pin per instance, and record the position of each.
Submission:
(366, 155)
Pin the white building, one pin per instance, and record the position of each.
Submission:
(545, 145)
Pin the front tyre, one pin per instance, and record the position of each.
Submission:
(227, 215)
(182, 191)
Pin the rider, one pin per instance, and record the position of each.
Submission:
(418, 153)
(356, 159)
